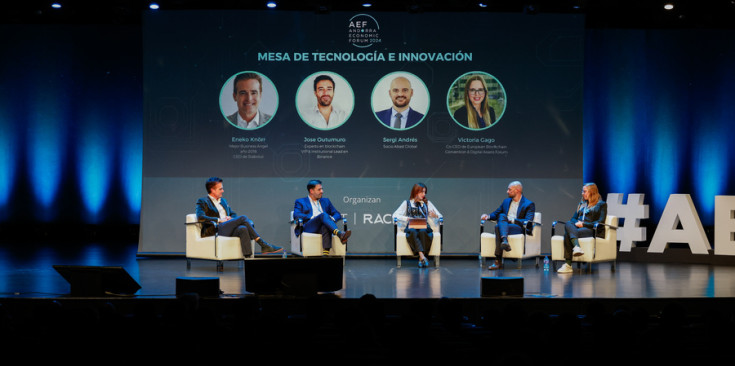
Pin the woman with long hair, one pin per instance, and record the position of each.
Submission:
(418, 206)
(591, 210)
(476, 113)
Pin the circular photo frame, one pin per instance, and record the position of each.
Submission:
(321, 91)
(476, 100)
(248, 100)
(400, 92)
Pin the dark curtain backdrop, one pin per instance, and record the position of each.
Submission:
(658, 120)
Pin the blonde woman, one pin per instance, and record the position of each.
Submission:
(590, 211)
(475, 113)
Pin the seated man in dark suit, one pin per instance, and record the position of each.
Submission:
(319, 215)
(401, 115)
(511, 215)
(214, 207)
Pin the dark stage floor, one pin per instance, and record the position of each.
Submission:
(26, 271)
(649, 312)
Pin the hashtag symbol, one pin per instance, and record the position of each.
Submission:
(631, 213)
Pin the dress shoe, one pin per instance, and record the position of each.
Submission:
(495, 266)
(343, 237)
(267, 248)
(504, 245)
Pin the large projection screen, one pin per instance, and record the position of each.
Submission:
(528, 68)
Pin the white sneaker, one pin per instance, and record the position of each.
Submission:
(565, 269)
(577, 251)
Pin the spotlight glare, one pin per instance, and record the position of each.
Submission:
(482, 5)
(271, 4)
(56, 5)
(154, 6)
(669, 6)
(366, 5)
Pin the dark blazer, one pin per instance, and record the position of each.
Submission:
(526, 210)
(302, 209)
(460, 115)
(206, 212)
(412, 119)
(596, 214)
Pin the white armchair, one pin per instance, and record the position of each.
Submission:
(310, 244)
(522, 246)
(600, 248)
(217, 248)
(400, 243)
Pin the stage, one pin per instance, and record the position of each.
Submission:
(27, 272)
(656, 310)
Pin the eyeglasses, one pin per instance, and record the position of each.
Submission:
(477, 91)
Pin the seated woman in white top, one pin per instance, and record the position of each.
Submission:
(418, 206)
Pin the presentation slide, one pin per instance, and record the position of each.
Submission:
(369, 103)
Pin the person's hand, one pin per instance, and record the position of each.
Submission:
(579, 224)
(484, 217)
(432, 213)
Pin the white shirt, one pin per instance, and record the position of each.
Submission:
(513, 209)
(254, 123)
(402, 221)
(316, 208)
(222, 212)
(317, 120)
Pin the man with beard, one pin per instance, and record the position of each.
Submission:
(512, 215)
(248, 88)
(401, 115)
(324, 115)
(319, 215)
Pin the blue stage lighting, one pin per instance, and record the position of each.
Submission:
(94, 164)
(8, 154)
(271, 4)
(46, 151)
(154, 6)
(131, 162)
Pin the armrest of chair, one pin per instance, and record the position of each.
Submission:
(553, 226)
(200, 222)
(600, 228)
(299, 225)
(482, 224)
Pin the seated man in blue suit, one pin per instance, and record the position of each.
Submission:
(401, 115)
(214, 208)
(319, 215)
(511, 216)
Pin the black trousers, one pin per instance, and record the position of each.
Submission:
(571, 231)
(419, 240)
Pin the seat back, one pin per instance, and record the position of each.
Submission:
(193, 232)
(611, 234)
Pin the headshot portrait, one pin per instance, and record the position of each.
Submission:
(248, 100)
(400, 100)
(325, 100)
(476, 100)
